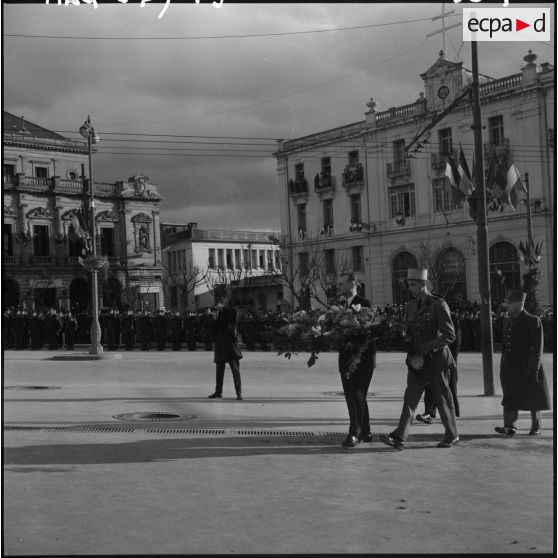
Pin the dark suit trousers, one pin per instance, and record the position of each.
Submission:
(220, 375)
(430, 401)
(416, 384)
(355, 389)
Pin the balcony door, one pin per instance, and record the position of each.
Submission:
(41, 240)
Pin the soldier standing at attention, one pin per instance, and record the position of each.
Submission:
(144, 331)
(160, 330)
(69, 325)
(521, 370)
(430, 332)
(175, 325)
(129, 330)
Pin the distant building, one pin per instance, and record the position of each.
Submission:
(354, 189)
(43, 187)
(200, 265)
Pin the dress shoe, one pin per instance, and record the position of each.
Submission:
(365, 437)
(507, 431)
(447, 443)
(350, 441)
(215, 396)
(239, 397)
(535, 432)
(427, 419)
(392, 441)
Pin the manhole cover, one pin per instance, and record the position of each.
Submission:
(154, 416)
(31, 387)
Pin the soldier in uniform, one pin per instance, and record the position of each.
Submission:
(430, 332)
(36, 331)
(129, 330)
(144, 330)
(112, 325)
(191, 330)
(160, 330)
(19, 325)
(69, 326)
(175, 327)
(207, 328)
(52, 329)
(521, 371)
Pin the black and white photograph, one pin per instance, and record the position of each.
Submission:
(278, 278)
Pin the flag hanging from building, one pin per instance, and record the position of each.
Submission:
(454, 178)
(79, 234)
(465, 182)
(514, 189)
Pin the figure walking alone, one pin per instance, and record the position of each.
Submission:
(225, 336)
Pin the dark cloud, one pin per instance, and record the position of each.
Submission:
(273, 87)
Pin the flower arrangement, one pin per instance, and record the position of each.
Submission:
(340, 329)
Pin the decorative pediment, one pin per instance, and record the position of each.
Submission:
(68, 215)
(141, 218)
(9, 212)
(442, 67)
(139, 186)
(106, 216)
(39, 213)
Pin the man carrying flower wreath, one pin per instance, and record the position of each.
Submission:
(430, 332)
(356, 380)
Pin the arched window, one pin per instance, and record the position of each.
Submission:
(452, 284)
(504, 270)
(401, 263)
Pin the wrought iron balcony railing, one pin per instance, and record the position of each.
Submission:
(398, 168)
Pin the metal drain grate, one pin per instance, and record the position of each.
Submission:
(32, 387)
(192, 431)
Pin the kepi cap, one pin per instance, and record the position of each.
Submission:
(516, 296)
(419, 274)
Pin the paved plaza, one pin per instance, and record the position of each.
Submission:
(263, 475)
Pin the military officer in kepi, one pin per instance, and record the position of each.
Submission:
(521, 371)
(430, 331)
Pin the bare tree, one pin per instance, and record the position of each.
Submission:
(302, 271)
(186, 279)
(431, 257)
(226, 281)
(324, 289)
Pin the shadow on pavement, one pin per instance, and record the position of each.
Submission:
(194, 448)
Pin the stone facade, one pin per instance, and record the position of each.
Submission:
(355, 190)
(43, 187)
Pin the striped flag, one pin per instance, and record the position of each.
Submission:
(454, 178)
(514, 190)
(79, 234)
(465, 182)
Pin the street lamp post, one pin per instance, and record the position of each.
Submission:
(93, 263)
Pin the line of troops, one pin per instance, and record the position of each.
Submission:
(146, 330)
(130, 330)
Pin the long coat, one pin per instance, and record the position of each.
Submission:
(522, 348)
(225, 336)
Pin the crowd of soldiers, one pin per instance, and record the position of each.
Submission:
(193, 330)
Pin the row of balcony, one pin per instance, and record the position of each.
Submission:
(354, 176)
(49, 260)
(58, 184)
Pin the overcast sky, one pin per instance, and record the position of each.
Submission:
(266, 87)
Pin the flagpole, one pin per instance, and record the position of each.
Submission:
(482, 233)
(529, 222)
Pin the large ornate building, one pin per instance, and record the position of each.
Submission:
(354, 189)
(43, 187)
(202, 264)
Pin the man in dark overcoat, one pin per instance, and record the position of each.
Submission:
(36, 330)
(430, 333)
(522, 375)
(191, 330)
(52, 329)
(356, 384)
(144, 328)
(225, 335)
